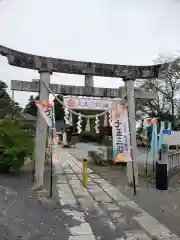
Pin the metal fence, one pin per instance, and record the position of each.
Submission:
(173, 160)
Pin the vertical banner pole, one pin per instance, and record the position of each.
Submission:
(134, 181)
(33, 167)
(47, 145)
(155, 147)
(51, 165)
(12, 104)
(162, 124)
(147, 151)
(153, 142)
(133, 168)
(51, 152)
(153, 150)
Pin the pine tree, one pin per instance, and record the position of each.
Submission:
(7, 106)
(31, 108)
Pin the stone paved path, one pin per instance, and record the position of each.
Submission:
(102, 210)
(163, 205)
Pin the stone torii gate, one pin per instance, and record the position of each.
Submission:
(46, 66)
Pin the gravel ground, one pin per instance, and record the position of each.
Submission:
(27, 216)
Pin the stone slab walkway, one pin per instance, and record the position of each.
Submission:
(101, 210)
(163, 205)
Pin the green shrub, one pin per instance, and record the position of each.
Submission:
(15, 145)
(97, 157)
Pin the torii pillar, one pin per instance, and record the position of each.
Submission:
(89, 81)
(129, 87)
(41, 132)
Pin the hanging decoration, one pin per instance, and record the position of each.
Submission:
(154, 140)
(147, 122)
(79, 123)
(120, 133)
(110, 119)
(70, 119)
(45, 109)
(88, 128)
(165, 130)
(162, 127)
(105, 120)
(72, 103)
(97, 125)
(66, 115)
(64, 138)
(169, 125)
(105, 153)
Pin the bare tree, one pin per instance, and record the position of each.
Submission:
(167, 87)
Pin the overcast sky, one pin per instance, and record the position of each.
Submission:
(111, 31)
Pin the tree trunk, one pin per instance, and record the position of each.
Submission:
(173, 117)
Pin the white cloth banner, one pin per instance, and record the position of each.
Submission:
(45, 109)
(120, 132)
(74, 102)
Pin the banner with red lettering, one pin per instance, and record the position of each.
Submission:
(45, 109)
(120, 132)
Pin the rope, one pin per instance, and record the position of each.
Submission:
(76, 113)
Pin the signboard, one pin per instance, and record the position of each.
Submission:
(87, 103)
(120, 132)
(167, 132)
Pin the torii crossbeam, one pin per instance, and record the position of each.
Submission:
(88, 91)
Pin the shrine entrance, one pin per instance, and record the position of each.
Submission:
(46, 66)
(114, 114)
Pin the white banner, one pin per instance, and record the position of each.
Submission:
(74, 102)
(45, 109)
(120, 132)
